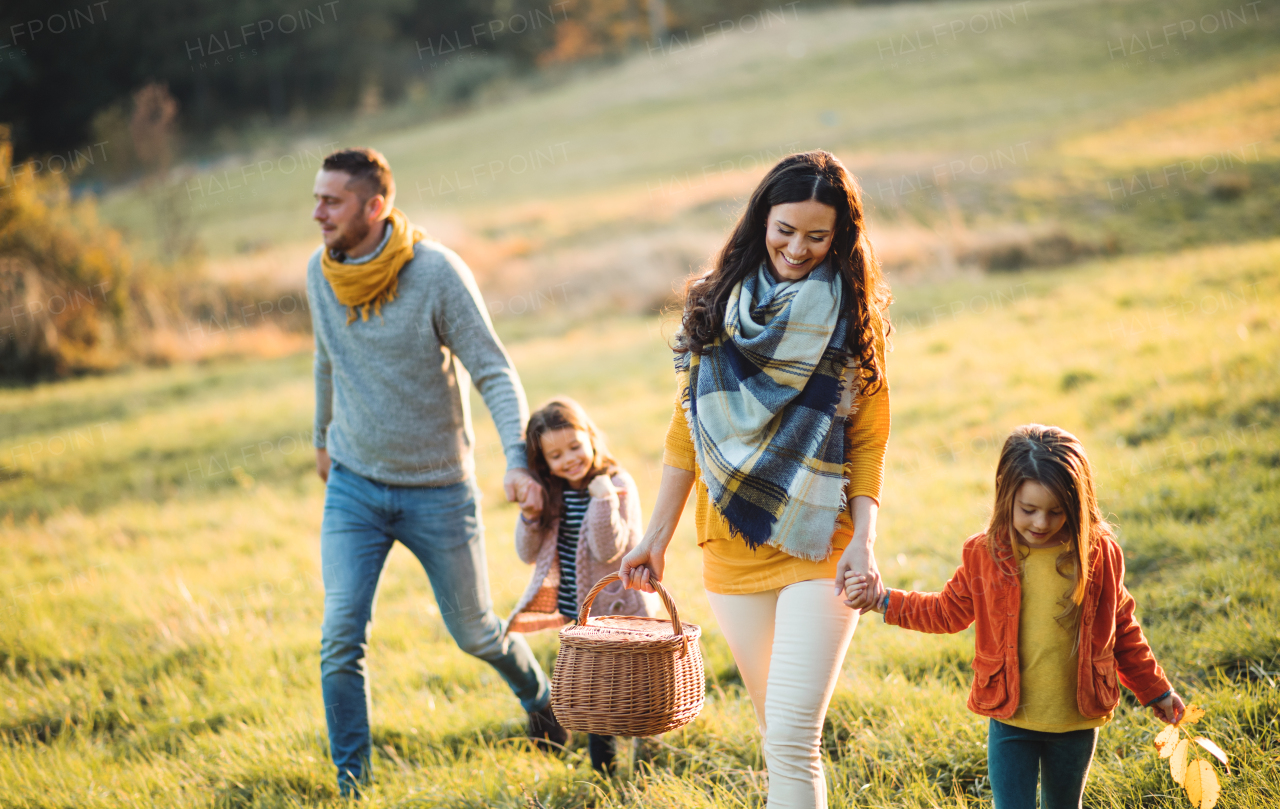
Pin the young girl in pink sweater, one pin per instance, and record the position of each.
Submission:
(590, 519)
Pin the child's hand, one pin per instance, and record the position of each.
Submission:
(854, 585)
(601, 486)
(1170, 709)
(855, 588)
(531, 514)
(522, 488)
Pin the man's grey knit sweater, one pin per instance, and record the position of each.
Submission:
(392, 392)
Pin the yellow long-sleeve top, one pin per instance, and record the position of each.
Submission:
(1046, 660)
(729, 567)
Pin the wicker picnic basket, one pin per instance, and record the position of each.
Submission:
(621, 675)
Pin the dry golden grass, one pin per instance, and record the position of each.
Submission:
(1243, 119)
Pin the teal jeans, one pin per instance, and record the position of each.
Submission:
(1017, 758)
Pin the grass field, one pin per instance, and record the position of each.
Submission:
(160, 599)
(159, 563)
(1016, 118)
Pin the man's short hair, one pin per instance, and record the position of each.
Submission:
(367, 168)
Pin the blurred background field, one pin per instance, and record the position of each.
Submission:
(1078, 232)
(1024, 135)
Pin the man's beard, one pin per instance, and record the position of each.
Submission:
(353, 235)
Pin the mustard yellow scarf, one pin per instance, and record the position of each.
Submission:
(367, 286)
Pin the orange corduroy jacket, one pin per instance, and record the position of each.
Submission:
(1111, 641)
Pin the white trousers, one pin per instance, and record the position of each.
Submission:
(789, 645)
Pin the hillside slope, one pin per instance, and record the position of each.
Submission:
(161, 573)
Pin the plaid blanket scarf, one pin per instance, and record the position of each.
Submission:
(764, 408)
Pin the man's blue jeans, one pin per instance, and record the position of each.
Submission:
(441, 526)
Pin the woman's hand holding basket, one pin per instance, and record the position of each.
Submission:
(648, 559)
(645, 562)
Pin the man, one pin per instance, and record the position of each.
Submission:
(400, 329)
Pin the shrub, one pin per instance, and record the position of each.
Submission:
(64, 278)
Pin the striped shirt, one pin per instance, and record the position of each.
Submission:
(573, 509)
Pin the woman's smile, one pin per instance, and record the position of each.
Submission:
(798, 236)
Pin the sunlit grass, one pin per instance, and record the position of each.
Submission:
(1244, 119)
(160, 630)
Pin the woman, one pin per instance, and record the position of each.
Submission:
(781, 419)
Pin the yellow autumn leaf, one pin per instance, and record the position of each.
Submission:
(1165, 740)
(1201, 784)
(1193, 714)
(1178, 762)
(1217, 751)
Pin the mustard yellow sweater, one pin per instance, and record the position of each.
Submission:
(1047, 664)
(729, 567)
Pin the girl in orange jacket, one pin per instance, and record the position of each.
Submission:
(1054, 622)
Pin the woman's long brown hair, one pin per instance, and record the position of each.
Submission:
(818, 176)
(1056, 460)
(562, 413)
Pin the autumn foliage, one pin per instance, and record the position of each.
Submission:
(1195, 775)
(63, 277)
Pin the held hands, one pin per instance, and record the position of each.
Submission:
(530, 515)
(858, 588)
(522, 489)
(1170, 709)
(859, 560)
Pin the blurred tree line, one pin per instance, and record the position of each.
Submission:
(129, 88)
(70, 71)
(75, 297)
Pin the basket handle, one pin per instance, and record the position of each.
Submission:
(585, 611)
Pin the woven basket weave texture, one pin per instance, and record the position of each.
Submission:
(624, 675)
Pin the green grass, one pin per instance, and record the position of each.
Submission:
(160, 632)
(160, 598)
